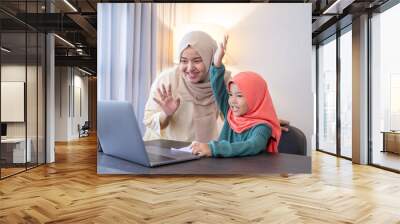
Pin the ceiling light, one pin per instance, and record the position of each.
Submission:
(70, 5)
(337, 7)
(5, 50)
(64, 40)
(84, 71)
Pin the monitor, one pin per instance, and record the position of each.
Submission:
(3, 129)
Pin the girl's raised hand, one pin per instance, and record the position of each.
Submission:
(219, 54)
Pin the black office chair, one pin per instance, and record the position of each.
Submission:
(84, 130)
(293, 142)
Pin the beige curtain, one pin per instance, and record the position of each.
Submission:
(166, 21)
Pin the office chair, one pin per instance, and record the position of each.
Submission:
(84, 130)
(293, 142)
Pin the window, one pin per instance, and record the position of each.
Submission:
(327, 96)
(385, 89)
(346, 94)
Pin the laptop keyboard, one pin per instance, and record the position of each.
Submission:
(156, 157)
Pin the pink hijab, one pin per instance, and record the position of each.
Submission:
(260, 107)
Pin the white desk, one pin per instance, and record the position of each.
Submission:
(18, 149)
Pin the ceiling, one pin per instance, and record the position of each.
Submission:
(76, 22)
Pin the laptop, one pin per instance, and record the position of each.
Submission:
(119, 136)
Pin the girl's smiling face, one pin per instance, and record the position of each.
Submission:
(237, 101)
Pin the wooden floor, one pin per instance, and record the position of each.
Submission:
(70, 191)
(387, 159)
(10, 171)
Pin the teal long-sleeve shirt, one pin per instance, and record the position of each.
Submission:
(230, 143)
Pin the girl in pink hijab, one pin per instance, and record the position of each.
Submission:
(251, 125)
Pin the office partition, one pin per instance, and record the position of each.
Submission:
(22, 77)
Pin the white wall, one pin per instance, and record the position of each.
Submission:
(61, 103)
(12, 73)
(80, 83)
(15, 72)
(68, 82)
(273, 40)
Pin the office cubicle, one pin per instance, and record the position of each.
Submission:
(22, 77)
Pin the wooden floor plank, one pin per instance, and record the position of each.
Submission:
(70, 191)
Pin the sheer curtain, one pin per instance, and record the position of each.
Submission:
(130, 36)
(166, 21)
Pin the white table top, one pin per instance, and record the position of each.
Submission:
(13, 140)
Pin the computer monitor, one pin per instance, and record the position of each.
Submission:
(3, 129)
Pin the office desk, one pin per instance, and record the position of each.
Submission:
(261, 164)
(13, 150)
(391, 141)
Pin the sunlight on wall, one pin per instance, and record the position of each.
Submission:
(215, 31)
(225, 15)
(215, 19)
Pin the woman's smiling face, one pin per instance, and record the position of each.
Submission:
(192, 66)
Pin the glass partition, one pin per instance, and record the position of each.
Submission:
(14, 154)
(22, 78)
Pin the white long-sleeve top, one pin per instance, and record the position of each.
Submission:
(181, 126)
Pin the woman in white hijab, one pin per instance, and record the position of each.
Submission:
(181, 103)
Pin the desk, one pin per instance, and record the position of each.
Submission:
(13, 150)
(391, 141)
(263, 163)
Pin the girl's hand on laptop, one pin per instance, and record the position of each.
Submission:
(167, 102)
(219, 54)
(201, 149)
